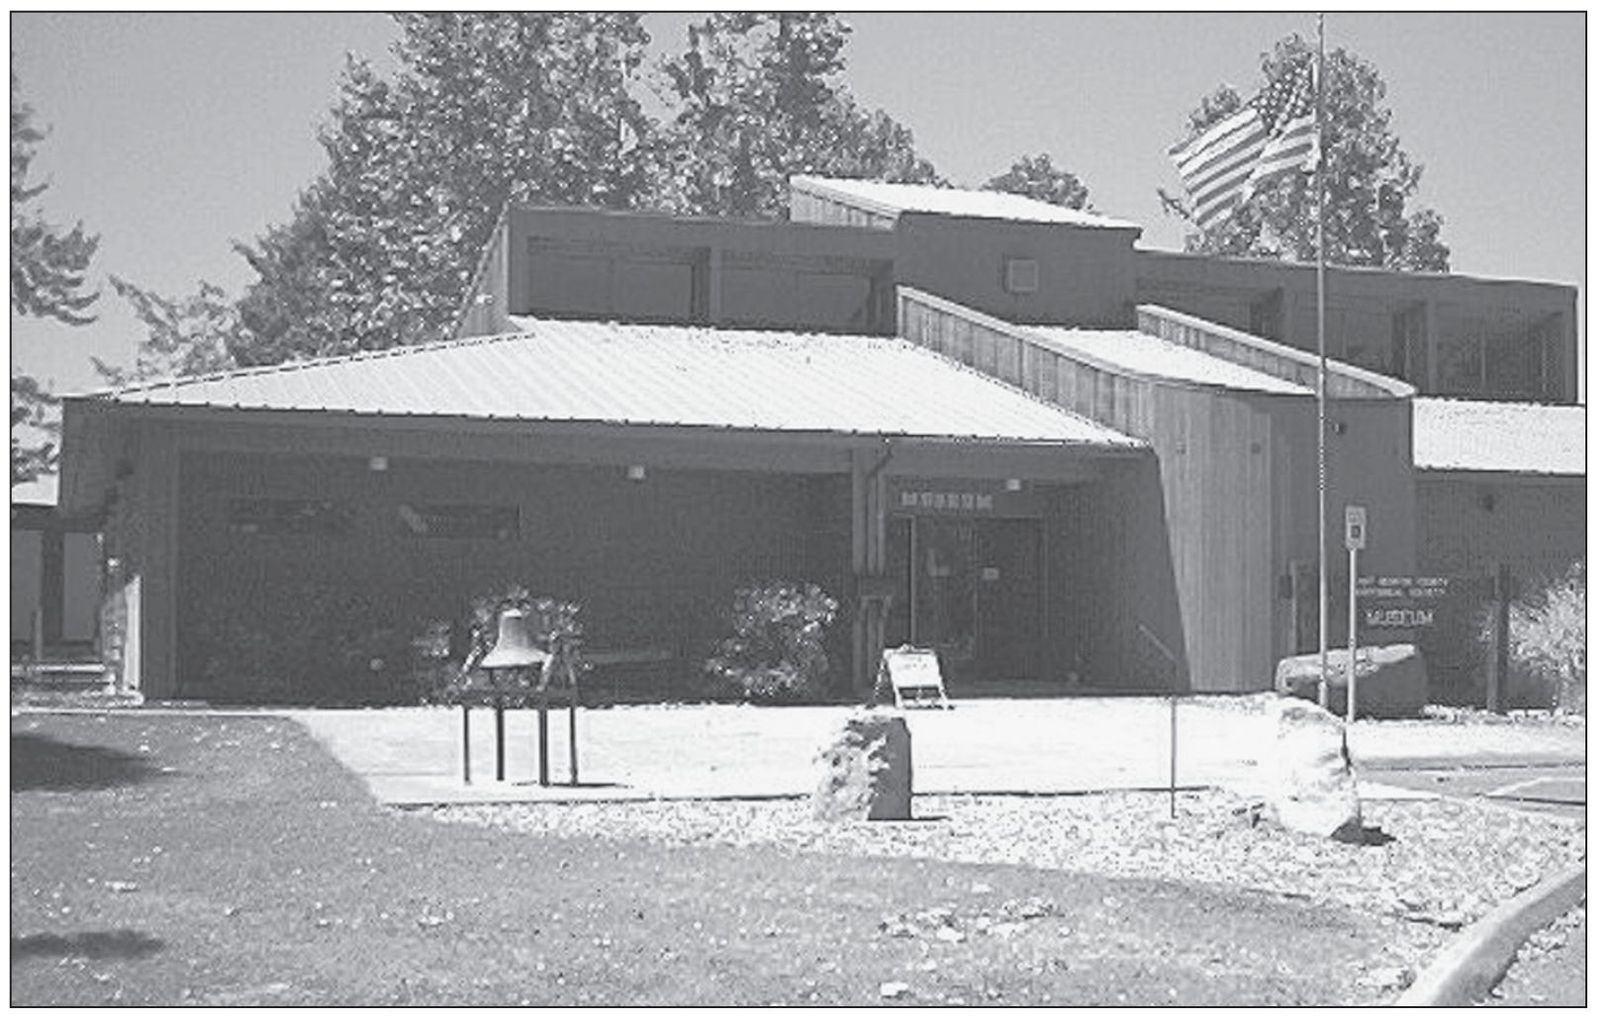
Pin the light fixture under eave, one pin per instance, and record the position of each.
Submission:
(378, 463)
(636, 472)
(1012, 485)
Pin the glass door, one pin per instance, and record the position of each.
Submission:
(944, 573)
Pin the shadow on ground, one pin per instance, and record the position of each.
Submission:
(122, 944)
(40, 763)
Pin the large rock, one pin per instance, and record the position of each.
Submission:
(868, 771)
(1309, 783)
(1392, 682)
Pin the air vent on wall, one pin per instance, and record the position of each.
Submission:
(1020, 276)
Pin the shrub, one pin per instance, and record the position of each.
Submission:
(1548, 637)
(775, 653)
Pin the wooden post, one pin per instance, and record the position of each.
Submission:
(1497, 655)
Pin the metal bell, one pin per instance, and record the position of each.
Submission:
(514, 647)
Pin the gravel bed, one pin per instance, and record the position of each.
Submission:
(1446, 862)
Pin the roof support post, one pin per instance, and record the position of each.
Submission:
(157, 503)
(870, 597)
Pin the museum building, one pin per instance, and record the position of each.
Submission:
(984, 424)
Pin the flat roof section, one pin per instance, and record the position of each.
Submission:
(1144, 354)
(896, 199)
(1487, 435)
(611, 373)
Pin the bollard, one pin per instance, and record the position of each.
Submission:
(1172, 776)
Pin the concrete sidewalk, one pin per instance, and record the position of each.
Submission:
(1029, 746)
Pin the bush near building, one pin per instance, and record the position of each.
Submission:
(1548, 639)
(776, 649)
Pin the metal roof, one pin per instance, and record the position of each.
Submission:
(896, 199)
(1134, 351)
(571, 371)
(1484, 435)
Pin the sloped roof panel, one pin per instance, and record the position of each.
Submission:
(1483, 435)
(1134, 351)
(657, 375)
(895, 199)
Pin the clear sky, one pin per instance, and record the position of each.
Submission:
(172, 134)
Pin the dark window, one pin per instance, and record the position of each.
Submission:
(460, 520)
(1408, 355)
(1267, 315)
(290, 517)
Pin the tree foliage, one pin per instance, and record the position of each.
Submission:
(48, 263)
(1369, 181)
(30, 406)
(1037, 177)
(531, 108)
(193, 335)
(49, 266)
(759, 97)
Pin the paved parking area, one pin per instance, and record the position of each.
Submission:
(1033, 746)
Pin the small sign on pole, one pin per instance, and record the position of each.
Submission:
(1356, 527)
(1356, 539)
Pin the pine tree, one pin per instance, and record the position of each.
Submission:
(49, 266)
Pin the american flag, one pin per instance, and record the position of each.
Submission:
(1275, 133)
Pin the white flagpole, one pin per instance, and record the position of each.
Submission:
(1323, 399)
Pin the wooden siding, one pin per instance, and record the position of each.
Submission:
(1191, 544)
(812, 207)
(1274, 359)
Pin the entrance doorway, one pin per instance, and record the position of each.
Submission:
(972, 589)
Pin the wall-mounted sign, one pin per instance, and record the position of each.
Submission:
(925, 499)
(1400, 602)
(979, 497)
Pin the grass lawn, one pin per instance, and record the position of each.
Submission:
(228, 860)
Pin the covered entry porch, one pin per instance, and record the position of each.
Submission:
(245, 510)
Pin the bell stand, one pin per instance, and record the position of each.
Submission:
(543, 729)
(563, 658)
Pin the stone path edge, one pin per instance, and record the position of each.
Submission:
(1470, 966)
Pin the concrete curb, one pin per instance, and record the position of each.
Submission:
(1468, 969)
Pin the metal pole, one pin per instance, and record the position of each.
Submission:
(572, 733)
(1323, 401)
(465, 741)
(544, 739)
(499, 742)
(1351, 642)
(1173, 774)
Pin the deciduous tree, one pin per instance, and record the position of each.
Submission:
(1037, 177)
(759, 97)
(530, 107)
